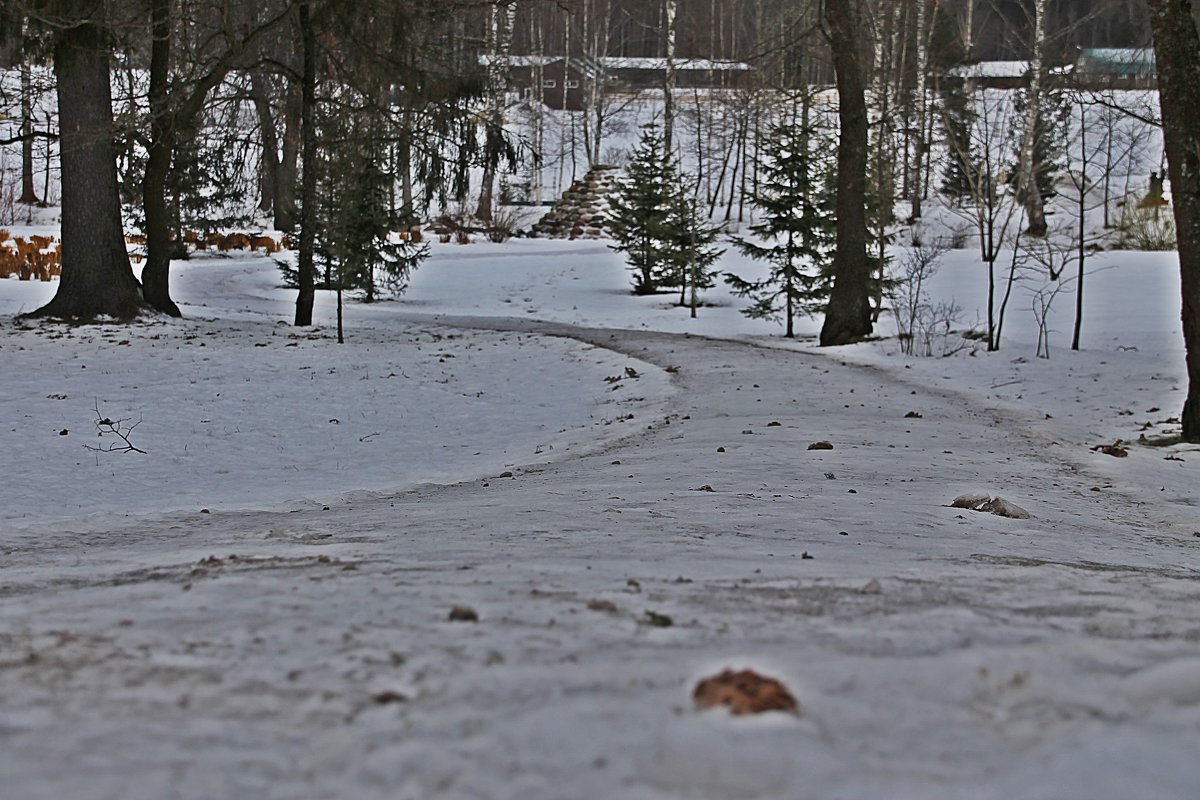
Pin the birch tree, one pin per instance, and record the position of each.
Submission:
(669, 11)
(500, 28)
(1027, 184)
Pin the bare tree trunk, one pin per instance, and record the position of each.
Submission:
(289, 163)
(306, 273)
(537, 107)
(669, 80)
(28, 194)
(96, 277)
(1028, 184)
(1081, 253)
(924, 33)
(261, 95)
(1177, 47)
(408, 210)
(500, 38)
(597, 27)
(156, 273)
(968, 30)
(848, 315)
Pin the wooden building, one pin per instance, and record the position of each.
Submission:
(563, 84)
(1116, 68)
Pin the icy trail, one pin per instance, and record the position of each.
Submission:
(935, 652)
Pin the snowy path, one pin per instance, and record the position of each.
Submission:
(1045, 658)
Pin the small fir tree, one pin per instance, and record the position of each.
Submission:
(357, 245)
(795, 232)
(688, 247)
(958, 118)
(639, 207)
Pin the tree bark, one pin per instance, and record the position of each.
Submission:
(156, 273)
(269, 179)
(306, 277)
(925, 20)
(1035, 212)
(96, 277)
(669, 80)
(848, 314)
(28, 193)
(1177, 48)
(289, 163)
(500, 35)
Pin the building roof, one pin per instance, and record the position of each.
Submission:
(620, 62)
(992, 69)
(1117, 60)
(1007, 70)
(487, 60)
(681, 64)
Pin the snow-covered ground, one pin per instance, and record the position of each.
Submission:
(272, 617)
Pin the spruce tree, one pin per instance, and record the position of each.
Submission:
(795, 232)
(638, 209)
(688, 246)
(958, 118)
(356, 248)
(356, 244)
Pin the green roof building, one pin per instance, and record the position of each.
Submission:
(1116, 68)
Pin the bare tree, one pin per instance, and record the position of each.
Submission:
(501, 20)
(992, 208)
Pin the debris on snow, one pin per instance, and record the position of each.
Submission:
(388, 697)
(656, 620)
(463, 614)
(1115, 449)
(744, 692)
(992, 505)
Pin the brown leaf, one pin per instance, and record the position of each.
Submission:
(463, 614)
(744, 692)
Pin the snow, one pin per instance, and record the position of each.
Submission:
(993, 69)
(681, 64)
(265, 613)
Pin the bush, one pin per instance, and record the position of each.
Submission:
(1147, 229)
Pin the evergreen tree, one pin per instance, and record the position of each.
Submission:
(795, 232)
(356, 245)
(688, 246)
(638, 209)
(958, 118)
